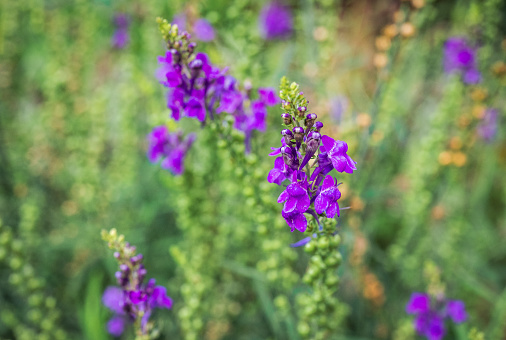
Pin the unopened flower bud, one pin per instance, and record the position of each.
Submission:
(287, 119)
(309, 121)
(318, 126)
(298, 133)
(302, 110)
(288, 135)
(191, 47)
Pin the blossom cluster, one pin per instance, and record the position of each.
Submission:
(310, 190)
(171, 148)
(460, 58)
(131, 301)
(430, 315)
(198, 89)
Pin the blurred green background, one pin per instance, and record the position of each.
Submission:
(428, 202)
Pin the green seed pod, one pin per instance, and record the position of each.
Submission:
(222, 144)
(303, 329)
(332, 280)
(323, 243)
(335, 241)
(310, 247)
(15, 263)
(15, 279)
(34, 315)
(3, 253)
(334, 260)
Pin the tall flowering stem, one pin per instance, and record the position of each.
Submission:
(133, 301)
(307, 158)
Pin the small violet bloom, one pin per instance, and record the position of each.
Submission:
(170, 148)
(429, 320)
(336, 152)
(120, 37)
(460, 57)
(327, 199)
(203, 29)
(275, 21)
(296, 197)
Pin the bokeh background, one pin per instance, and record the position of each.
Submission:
(428, 202)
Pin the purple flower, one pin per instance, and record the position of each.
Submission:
(456, 311)
(277, 151)
(280, 172)
(158, 139)
(268, 96)
(171, 148)
(113, 299)
(418, 303)
(120, 37)
(296, 198)
(460, 57)
(327, 199)
(295, 220)
(430, 325)
(180, 21)
(275, 21)
(429, 320)
(336, 151)
(116, 325)
(487, 129)
(204, 31)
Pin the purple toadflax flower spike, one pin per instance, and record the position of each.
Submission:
(429, 320)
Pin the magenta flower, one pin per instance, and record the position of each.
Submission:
(336, 151)
(295, 220)
(203, 29)
(429, 320)
(326, 201)
(275, 21)
(170, 148)
(460, 57)
(120, 37)
(296, 198)
(280, 172)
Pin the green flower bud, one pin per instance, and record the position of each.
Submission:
(323, 243)
(332, 280)
(15, 263)
(334, 260)
(310, 247)
(34, 315)
(17, 246)
(303, 329)
(335, 241)
(222, 144)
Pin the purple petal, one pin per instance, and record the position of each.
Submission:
(418, 303)
(290, 205)
(321, 204)
(114, 299)
(332, 210)
(456, 310)
(300, 222)
(268, 96)
(204, 31)
(283, 196)
(303, 203)
(116, 326)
